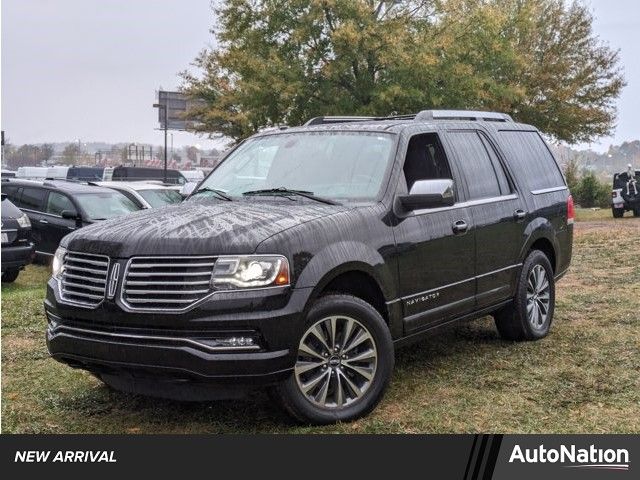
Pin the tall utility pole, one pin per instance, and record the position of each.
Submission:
(164, 109)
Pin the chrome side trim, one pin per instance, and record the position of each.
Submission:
(469, 203)
(466, 280)
(152, 338)
(549, 190)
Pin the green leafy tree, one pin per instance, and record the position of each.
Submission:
(572, 174)
(47, 151)
(286, 61)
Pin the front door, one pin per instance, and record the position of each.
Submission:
(436, 254)
(57, 226)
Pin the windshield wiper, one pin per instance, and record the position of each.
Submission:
(220, 193)
(286, 191)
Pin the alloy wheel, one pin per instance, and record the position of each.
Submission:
(337, 361)
(538, 297)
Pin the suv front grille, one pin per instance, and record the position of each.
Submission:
(84, 278)
(166, 283)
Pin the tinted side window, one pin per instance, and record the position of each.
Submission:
(13, 193)
(505, 187)
(57, 202)
(482, 179)
(425, 160)
(33, 198)
(531, 160)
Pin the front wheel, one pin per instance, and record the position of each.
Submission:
(10, 276)
(617, 212)
(530, 314)
(344, 362)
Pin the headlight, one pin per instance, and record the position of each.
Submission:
(57, 266)
(23, 221)
(252, 271)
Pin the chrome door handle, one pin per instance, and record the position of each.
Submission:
(460, 227)
(519, 214)
(42, 220)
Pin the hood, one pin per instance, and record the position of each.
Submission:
(9, 210)
(203, 227)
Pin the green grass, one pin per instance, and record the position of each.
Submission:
(582, 378)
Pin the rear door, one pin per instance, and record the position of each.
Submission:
(32, 203)
(57, 227)
(436, 260)
(498, 215)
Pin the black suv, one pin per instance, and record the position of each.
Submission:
(310, 254)
(17, 249)
(58, 207)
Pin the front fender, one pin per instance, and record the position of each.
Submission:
(345, 256)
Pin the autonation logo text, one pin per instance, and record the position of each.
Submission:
(574, 457)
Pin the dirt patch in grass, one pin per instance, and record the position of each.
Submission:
(583, 378)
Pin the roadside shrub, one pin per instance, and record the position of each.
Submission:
(590, 192)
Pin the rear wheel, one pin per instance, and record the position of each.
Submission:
(530, 315)
(344, 362)
(10, 276)
(618, 212)
(636, 212)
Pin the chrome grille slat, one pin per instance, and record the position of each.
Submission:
(169, 274)
(82, 294)
(83, 269)
(131, 291)
(84, 278)
(169, 265)
(70, 258)
(197, 282)
(166, 283)
(86, 287)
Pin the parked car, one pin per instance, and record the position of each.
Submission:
(56, 208)
(17, 248)
(309, 255)
(79, 173)
(193, 175)
(143, 173)
(145, 194)
(626, 193)
(31, 173)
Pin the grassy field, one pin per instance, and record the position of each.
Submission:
(582, 378)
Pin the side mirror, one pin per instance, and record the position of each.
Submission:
(429, 194)
(72, 215)
(4, 195)
(69, 214)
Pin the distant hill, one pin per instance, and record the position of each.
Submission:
(612, 161)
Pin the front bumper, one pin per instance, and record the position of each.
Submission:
(179, 347)
(17, 256)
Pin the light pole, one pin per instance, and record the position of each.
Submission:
(164, 108)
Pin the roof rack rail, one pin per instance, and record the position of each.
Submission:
(424, 115)
(471, 115)
(347, 119)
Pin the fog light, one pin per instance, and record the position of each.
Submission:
(228, 343)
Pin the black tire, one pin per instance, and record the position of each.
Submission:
(617, 212)
(10, 276)
(636, 212)
(513, 321)
(302, 408)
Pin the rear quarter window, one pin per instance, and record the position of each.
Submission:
(530, 159)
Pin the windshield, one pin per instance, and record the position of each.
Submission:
(160, 197)
(338, 165)
(100, 206)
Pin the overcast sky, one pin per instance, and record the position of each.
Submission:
(89, 69)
